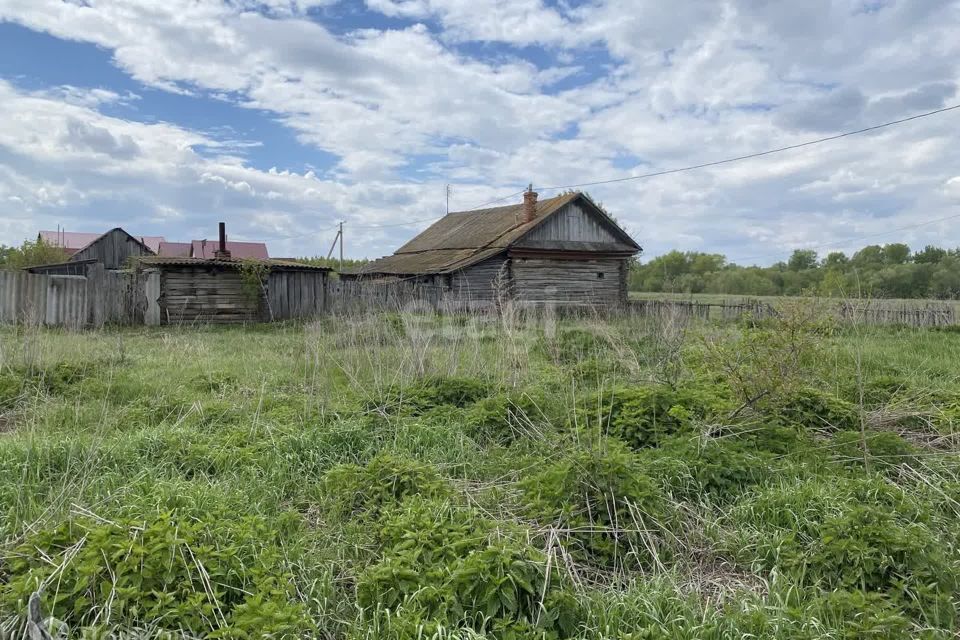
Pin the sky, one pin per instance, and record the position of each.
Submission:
(284, 117)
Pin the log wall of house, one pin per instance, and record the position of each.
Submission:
(481, 281)
(207, 294)
(112, 250)
(587, 283)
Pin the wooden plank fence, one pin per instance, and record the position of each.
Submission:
(122, 297)
(364, 295)
(867, 312)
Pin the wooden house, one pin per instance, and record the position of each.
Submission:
(113, 249)
(223, 290)
(563, 250)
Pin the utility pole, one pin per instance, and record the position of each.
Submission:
(336, 239)
(340, 233)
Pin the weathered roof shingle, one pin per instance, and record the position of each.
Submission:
(464, 238)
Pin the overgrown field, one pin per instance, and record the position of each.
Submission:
(417, 478)
(721, 298)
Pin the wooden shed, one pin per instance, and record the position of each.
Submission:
(114, 250)
(564, 250)
(220, 291)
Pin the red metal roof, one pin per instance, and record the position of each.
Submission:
(152, 242)
(174, 249)
(238, 250)
(73, 241)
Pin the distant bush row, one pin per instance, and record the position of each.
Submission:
(889, 271)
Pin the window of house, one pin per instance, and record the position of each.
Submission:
(600, 275)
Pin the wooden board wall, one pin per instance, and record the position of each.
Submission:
(296, 294)
(209, 294)
(112, 250)
(588, 283)
(572, 224)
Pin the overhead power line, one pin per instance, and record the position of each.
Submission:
(759, 154)
(704, 165)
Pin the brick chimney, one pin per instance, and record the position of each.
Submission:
(221, 253)
(529, 204)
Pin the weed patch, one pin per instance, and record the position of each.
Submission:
(602, 501)
(644, 416)
(431, 393)
(385, 481)
(225, 579)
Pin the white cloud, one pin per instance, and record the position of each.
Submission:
(686, 82)
(513, 21)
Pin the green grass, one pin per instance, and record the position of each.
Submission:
(720, 298)
(410, 478)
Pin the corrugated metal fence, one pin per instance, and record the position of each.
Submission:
(27, 298)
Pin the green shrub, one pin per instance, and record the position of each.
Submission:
(771, 527)
(572, 346)
(644, 416)
(850, 534)
(818, 410)
(885, 449)
(448, 568)
(692, 468)
(504, 417)
(604, 499)
(866, 548)
(56, 379)
(227, 578)
(882, 390)
(13, 388)
(811, 615)
(385, 481)
(430, 393)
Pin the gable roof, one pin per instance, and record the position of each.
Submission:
(245, 250)
(463, 238)
(73, 241)
(104, 235)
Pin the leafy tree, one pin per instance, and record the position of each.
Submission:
(31, 254)
(704, 263)
(868, 257)
(802, 259)
(896, 253)
(945, 280)
(836, 260)
(929, 255)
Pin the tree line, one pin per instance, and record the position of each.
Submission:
(30, 254)
(887, 271)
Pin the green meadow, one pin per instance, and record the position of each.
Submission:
(395, 477)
